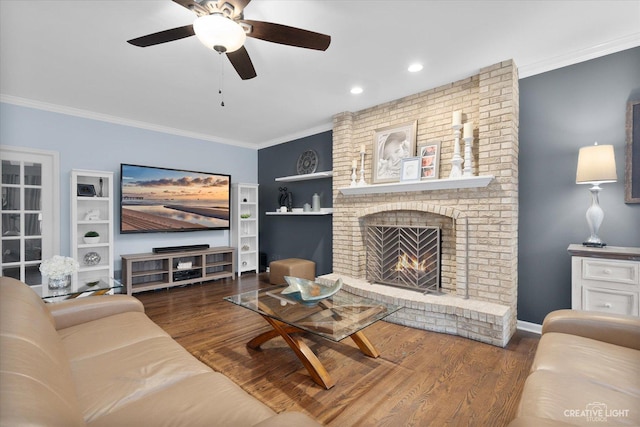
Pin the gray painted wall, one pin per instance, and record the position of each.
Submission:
(561, 111)
(308, 237)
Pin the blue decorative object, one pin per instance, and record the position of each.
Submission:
(308, 292)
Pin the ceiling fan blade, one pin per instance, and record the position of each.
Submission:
(192, 6)
(242, 63)
(163, 36)
(283, 34)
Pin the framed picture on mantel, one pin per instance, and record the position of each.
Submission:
(632, 166)
(410, 169)
(390, 146)
(429, 152)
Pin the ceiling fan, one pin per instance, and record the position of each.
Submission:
(221, 26)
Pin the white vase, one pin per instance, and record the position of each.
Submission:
(315, 202)
(91, 240)
(59, 282)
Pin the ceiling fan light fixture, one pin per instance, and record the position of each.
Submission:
(219, 33)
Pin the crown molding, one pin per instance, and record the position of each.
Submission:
(61, 109)
(297, 135)
(581, 55)
(524, 71)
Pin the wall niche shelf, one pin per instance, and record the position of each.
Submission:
(323, 211)
(430, 185)
(305, 177)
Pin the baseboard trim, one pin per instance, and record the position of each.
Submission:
(529, 327)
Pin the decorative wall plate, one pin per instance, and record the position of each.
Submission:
(307, 162)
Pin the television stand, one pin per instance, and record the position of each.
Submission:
(150, 271)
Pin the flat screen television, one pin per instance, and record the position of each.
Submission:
(157, 199)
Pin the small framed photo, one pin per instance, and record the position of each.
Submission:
(86, 190)
(410, 170)
(390, 146)
(429, 153)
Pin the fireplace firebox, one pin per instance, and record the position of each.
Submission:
(404, 256)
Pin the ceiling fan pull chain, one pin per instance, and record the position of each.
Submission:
(221, 84)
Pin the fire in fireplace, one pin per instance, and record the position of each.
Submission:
(404, 256)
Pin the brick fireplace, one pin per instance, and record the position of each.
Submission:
(478, 226)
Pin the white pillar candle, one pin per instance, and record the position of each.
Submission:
(354, 164)
(468, 130)
(362, 148)
(457, 118)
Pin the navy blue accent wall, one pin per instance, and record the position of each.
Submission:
(308, 237)
(561, 111)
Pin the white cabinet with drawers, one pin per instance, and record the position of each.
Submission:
(605, 279)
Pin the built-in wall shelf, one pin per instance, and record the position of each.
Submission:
(305, 177)
(428, 185)
(323, 211)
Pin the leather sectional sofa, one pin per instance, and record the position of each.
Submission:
(100, 361)
(586, 372)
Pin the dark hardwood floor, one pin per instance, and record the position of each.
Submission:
(420, 379)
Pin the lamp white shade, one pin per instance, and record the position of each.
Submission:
(596, 165)
(219, 33)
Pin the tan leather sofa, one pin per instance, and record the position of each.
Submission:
(586, 372)
(100, 361)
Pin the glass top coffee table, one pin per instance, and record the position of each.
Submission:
(99, 286)
(335, 318)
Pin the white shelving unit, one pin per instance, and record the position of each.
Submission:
(92, 213)
(244, 226)
(305, 177)
(323, 211)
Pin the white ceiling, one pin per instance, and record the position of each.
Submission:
(72, 57)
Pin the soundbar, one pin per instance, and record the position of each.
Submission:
(186, 248)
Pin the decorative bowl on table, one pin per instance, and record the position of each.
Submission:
(308, 292)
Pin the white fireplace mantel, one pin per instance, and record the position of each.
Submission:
(428, 185)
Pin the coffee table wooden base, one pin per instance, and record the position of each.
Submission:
(310, 361)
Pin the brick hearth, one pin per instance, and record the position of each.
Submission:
(479, 225)
(478, 320)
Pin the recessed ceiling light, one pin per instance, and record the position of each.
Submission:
(356, 90)
(414, 68)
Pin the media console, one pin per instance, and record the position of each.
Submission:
(148, 271)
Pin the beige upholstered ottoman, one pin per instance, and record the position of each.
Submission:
(294, 267)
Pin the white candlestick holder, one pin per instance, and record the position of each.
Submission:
(362, 181)
(456, 161)
(468, 157)
(354, 177)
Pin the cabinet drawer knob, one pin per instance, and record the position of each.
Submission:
(607, 305)
(606, 271)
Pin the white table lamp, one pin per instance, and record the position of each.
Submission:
(596, 165)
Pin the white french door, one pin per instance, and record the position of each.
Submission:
(29, 221)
